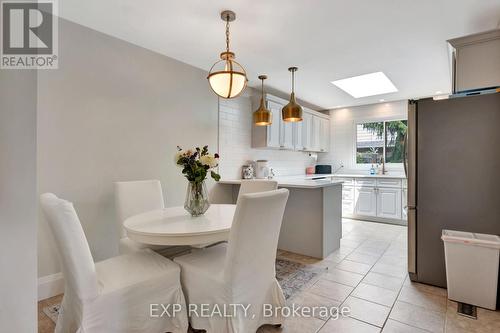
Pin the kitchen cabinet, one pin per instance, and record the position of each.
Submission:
(287, 134)
(316, 134)
(388, 202)
(476, 63)
(311, 134)
(404, 204)
(273, 131)
(303, 133)
(298, 143)
(373, 198)
(324, 135)
(365, 201)
(347, 199)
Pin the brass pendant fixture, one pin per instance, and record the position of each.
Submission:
(262, 116)
(227, 78)
(292, 112)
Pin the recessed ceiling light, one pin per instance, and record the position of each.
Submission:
(439, 92)
(381, 100)
(366, 85)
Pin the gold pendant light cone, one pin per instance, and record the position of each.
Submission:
(292, 112)
(262, 116)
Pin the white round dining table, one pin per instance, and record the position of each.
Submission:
(175, 226)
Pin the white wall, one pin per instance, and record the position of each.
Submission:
(343, 132)
(114, 111)
(18, 201)
(236, 141)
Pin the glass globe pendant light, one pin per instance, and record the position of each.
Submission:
(262, 116)
(292, 112)
(227, 78)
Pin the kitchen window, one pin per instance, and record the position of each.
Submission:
(381, 139)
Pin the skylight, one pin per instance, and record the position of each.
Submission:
(366, 85)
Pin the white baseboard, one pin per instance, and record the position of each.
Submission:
(50, 285)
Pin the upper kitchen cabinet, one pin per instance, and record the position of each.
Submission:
(278, 135)
(324, 136)
(476, 61)
(287, 134)
(273, 137)
(311, 134)
(303, 131)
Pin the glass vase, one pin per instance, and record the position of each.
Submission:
(196, 198)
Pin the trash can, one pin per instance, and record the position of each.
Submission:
(472, 267)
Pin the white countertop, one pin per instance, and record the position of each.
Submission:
(357, 175)
(308, 181)
(293, 182)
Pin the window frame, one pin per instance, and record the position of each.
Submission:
(384, 120)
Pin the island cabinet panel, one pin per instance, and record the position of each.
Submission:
(312, 221)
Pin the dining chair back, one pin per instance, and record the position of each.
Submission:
(77, 263)
(113, 295)
(257, 185)
(253, 239)
(135, 197)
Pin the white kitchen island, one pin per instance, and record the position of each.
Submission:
(312, 223)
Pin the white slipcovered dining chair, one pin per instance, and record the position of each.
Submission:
(257, 185)
(135, 197)
(113, 295)
(241, 271)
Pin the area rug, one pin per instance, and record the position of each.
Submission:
(295, 277)
(292, 276)
(52, 311)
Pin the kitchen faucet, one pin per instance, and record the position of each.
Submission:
(384, 171)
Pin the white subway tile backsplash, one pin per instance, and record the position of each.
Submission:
(235, 140)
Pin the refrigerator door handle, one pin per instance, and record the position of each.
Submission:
(410, 169)
(405, 154)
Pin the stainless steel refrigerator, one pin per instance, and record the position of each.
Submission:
(453, 170)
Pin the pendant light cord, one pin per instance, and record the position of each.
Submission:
(227, 33)
(293, 81)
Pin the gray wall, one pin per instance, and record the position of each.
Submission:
(114, 111)
(18, 201)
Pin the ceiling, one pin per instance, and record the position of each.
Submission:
(327, 39)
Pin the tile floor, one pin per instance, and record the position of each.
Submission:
(369, 275)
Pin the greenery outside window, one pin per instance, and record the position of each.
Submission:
(380, 140)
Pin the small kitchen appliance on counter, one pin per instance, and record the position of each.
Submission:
(324, 169)
(262, 169)
(247, 171)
